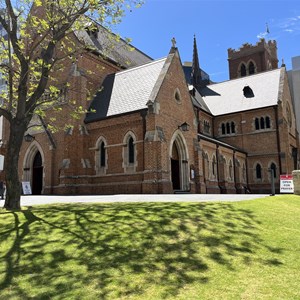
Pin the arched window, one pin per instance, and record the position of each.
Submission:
(243, 70)
(223, 128)
(102, 154)
(273, 167)
(258, 171)
(130, 151)
(251, 68)
(227, 128)
(256, 123)
(232, 127)
(268, 123)
(262, 123)
(206, 126)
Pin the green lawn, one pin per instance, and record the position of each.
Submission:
(240, 250)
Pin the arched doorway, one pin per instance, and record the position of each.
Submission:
(179, 163)
(37, 174)
(175, 168)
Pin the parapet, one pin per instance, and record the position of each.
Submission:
(248, 49)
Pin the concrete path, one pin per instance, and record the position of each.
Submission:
(30, 200)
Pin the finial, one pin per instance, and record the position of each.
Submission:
(282, 63)
(173, 42)
(267, 28)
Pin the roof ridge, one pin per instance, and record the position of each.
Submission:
(247, 77)
(141, 66)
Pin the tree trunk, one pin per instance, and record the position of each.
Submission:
(13, 185)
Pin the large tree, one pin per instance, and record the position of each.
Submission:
(34, 41)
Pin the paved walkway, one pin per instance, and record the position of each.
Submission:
(30, 200)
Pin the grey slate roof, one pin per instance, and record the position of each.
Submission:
(125, 91)
(113, 48)
(198, 100)
(218, 142)
(228, 97)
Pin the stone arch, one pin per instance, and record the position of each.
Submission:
(179, 162)
(33, 167)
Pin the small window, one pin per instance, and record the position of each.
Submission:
(130, 151)
(268, 123)
(256, 123)
(130, 154)
(258, 171)
(251, 68)
(262, 123)
(248, 92)
(227, 128)
(177, 95)
(223, 128)
(102, 154)
(206, 127)
(232, 127)
(243, 70)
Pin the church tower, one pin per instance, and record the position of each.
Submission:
(252, 59)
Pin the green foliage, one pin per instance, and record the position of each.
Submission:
(38, 41)
(242, 250)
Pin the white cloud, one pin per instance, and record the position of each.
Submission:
(262, 35)
(289, 24)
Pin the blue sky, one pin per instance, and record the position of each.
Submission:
(217, 24)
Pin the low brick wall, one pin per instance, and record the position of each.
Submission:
(296, 180)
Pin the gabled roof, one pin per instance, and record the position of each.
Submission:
(246, 93)
(125, 91)
(113, 47)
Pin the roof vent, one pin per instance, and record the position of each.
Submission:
(248, 93)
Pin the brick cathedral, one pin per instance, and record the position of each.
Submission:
(158, 126)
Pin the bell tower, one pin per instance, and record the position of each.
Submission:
(252, 59)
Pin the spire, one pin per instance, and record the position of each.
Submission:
(196, 71)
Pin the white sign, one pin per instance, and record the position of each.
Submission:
(26, 188)
(286, 184)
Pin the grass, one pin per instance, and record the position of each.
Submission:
(237, 250)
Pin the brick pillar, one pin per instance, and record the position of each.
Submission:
(296, 180)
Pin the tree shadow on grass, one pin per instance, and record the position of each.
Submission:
(119, 250)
